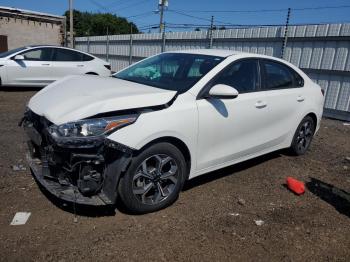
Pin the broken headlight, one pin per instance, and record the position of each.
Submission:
(91, 127)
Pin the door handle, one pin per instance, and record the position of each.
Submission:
(80, 65)
(300, 98)
(260, 104)
(45, 64)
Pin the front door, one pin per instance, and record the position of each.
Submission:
(230, 129)
(34, 70)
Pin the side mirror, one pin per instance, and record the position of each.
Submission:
(19, 57)
(221, 91)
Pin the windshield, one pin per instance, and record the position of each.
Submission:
(10, 52)
(171, 71)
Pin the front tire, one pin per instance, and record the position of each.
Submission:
(303, 136)
(154, 179)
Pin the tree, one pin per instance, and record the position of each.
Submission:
(90, 24)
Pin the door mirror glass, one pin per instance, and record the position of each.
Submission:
(222, 91)
(19, 57)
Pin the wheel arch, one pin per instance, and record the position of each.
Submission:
(313, 116)
(178, 143)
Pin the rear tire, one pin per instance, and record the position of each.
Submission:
(303, 136)
(154, 179)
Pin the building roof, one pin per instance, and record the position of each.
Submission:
(11, 11)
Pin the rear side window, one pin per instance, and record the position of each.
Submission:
(242, 75)
(39, 54)
(277, 76)
(87, 57)
(66, 55)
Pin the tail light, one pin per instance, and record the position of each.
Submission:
(108, 67)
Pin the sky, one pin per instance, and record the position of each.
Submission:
(198, 13)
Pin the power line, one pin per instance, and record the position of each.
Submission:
(244, 26)
(320, 8)
(108, 8)
(99, 5)
(133, 5)
(142, 14)
(266, 10)
(188, 15)
(199, 18)
(114, 3)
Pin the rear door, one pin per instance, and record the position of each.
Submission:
(283, 91)
(67, 62)
(34, 70)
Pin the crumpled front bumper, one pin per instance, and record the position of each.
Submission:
(59, 168)
(64, 192)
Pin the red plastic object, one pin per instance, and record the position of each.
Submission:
(296, 186)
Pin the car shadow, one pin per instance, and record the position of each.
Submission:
(19, 89)
(333, 195)
(219, 106)
(227, 171)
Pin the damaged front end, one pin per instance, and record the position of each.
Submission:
(76, 162)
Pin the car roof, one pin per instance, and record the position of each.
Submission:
(211, 52)
(62, 47)
(226, 53)
(222, 53)
(55, 46)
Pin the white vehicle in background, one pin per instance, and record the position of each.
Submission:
(142, 133)
(42, 65)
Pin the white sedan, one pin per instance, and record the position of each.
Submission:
(42, 65)
(142, 133)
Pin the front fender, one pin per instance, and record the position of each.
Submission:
(180, 121)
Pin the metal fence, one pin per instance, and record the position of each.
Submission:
(322, 51)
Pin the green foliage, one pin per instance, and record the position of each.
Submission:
(90, 24)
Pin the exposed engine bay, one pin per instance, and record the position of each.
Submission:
(83, 170)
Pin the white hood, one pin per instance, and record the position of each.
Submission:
(77, 97)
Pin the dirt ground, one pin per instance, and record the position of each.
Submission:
(213, 220)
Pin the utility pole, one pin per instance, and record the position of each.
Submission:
(71, 34)
(284, 45)
(211, 32)
(161, 7)
(130, 46)
(107, 45)
(163, 39)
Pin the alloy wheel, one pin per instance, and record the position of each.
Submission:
(155, 179)
(304, 137)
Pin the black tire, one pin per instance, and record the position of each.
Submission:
(303, 136)
(92, 73)
(151, 170)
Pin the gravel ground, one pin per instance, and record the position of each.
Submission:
(213, 220)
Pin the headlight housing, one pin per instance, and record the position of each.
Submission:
(91, 127)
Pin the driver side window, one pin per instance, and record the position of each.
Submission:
(242, 75)
(40, 54)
